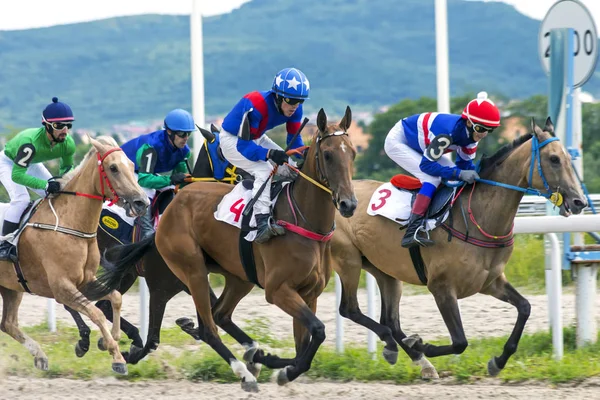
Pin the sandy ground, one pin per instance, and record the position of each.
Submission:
(34, 389)
(482, 316)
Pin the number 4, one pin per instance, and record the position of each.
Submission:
(237, 208)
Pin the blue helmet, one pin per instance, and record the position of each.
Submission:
(291, 83)
(57, 111)
(180, 120)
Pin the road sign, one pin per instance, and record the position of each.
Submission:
(571, 14)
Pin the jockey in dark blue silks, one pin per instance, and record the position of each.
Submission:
(265, 110)
(419, 143)
(160, 152)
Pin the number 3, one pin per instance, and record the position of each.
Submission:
(438, 145)
(385, 193)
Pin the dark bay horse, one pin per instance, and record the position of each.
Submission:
(58, 253)
(210, 165)
(454, 269)
(293, 269)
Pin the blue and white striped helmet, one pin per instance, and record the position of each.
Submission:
(291, 83)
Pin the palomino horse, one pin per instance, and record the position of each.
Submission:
(293, 269)
(455, 269)
(58, 253)
(162, 284)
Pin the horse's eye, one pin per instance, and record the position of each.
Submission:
(114, 169)
(555, 159)
(327, 155)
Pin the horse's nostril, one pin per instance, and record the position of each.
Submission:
(139, 205)
(580, 203)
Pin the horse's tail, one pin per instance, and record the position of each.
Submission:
(117, 262)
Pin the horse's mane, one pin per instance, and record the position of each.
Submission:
(105, 140)
(502, 154)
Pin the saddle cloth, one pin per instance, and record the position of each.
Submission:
(232, 205)
(14, 237)
(395, 204)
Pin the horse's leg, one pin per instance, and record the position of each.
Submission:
(348, 266)
(83, 345)
(448, 305)
(116, 301)
(10, 325)
(290, 301)
(502, 290)
(66, 293)
(190, 268)
(391, 292)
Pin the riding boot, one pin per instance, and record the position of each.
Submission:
(266, 228)
(8, 252)
(416, 234)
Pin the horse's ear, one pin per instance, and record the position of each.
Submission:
(537, 131)
(549, 126)
(322, 121)
(347, 120)
(209, 136)
(213, 128)
(97, 145)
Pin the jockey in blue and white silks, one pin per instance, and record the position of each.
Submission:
(265, 110)
(420, 143)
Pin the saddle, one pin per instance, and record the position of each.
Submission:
(440, 203)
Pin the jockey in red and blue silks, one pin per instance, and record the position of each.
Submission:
(265, 110)
(419, 145)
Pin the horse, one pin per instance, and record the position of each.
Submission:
(210, 165)
(62, 271)
(193, 243)
(466, 259)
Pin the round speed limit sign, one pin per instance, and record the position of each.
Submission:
(571, 14)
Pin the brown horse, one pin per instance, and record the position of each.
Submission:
(58, 253)
(455, 269)
(293, 269)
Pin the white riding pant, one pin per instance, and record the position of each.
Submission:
(397, 148)
(261, 170)
(19, 197)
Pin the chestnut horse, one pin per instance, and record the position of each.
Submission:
(454, 269)
(293, 269)
(58, 251)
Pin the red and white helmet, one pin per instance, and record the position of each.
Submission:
(482, 111)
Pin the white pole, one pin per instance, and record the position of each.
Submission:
(371, 289)
(441, 56)
(52, 315)
(197, 70)
(555, 297)
(339, 320)
(144, 306)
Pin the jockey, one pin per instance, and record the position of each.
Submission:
(418, 144)
(265, 110)
(162, 151)
(21, 165)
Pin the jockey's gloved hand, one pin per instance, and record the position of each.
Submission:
(52, 187)
(468, 175)
(278, 156)
(178, 178)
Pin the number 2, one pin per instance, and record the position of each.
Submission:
(24, 161)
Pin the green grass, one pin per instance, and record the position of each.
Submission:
(179, 356)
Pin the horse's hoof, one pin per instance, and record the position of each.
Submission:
(81, 350)
(101, 345)
(493, 368)
(120, 368)
(251, 387)
(187, 325)
(253, 368)
(41, 363)
(390, 356)
(429, 373)
(282, 377)
(411, 340)
(135, 355)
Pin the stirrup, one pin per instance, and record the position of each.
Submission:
(423, 241)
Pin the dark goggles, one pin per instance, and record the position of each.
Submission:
(482, 128)
(293, 102)
(182, 134)
(61, 125)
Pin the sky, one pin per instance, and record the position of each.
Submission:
(17, 14)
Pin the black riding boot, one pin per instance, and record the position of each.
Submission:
(7, 249)
(266, 228)
(415, 234)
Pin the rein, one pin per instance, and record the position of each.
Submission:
(294, 205)
(554, 197)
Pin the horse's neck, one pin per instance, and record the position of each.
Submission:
(494, 207)
(313, 202)
(77, 212)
